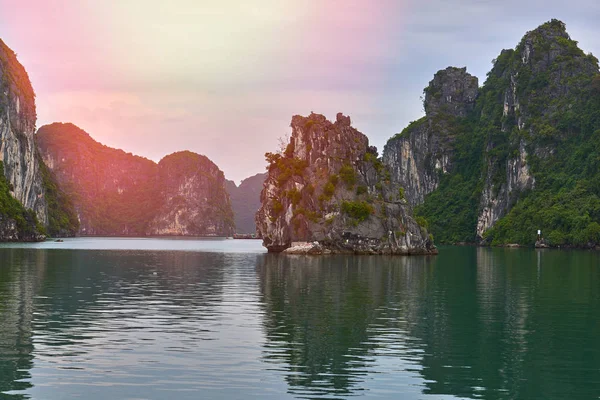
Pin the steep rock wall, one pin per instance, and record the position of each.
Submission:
(114, 193)
(17, 149)
(533, 80)
(329, 187)
(425, 149)
(194, 200)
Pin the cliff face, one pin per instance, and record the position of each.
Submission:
(537, 83)
(506, 146)
(21, 173)
(329, 187)
(194, 201)
(119, 194)
(425, 149)
(114, 193)
(245, 201)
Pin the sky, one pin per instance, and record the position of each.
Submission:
(224, 77)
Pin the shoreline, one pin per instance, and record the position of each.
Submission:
(303, 248)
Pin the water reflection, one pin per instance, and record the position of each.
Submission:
(469, 323)
(329, 319)
(77, 319)
(19, 276)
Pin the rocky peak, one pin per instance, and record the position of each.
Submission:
(18, 98)
(539, 82)
(329, 188)
(317, 140)
(180, 164)
(452, 91)
(541, 46)
(342, 120)
(545, 65)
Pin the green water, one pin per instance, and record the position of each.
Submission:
(192, 319)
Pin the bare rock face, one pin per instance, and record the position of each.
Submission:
(496, 202)
(425, 149)
(452, 91)
(329, 187)
(119, 194)
(17, 149)
(194, 201)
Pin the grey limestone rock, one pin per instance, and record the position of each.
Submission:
(330, 187)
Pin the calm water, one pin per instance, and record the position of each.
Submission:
(220, 319)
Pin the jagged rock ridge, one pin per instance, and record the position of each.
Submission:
(117, 193)
(329, 187)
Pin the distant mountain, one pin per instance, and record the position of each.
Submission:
(245, 201)
(117, 193)
(193, 199)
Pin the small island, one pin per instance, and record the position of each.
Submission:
(329, 192)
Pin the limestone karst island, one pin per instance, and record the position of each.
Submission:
(299, 200)
(488, 165)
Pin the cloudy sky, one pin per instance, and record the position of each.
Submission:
(223, 77)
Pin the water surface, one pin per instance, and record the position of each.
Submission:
(102, 318)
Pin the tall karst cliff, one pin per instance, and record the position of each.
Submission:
(117, 193)
(193, 198)
(28, 194)
(496, 169)
(330, 187)
(424, 151)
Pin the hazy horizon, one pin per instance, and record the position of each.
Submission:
(223, 79)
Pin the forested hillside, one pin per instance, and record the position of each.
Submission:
(525, 157)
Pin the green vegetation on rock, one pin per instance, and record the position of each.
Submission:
(26, 222)
(117, 193)
(348, 175)
(62, 218)
(538, 110)
(452, 208)
(318, 190)
(286, 166)
(359, 210)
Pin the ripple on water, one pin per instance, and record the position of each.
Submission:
(470, 323)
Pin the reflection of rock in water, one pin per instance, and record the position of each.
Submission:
(491, 328)
(474, 322)
(75, 292)
(172, 282)
(503, 311)
(20, 274)
(327, 317)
